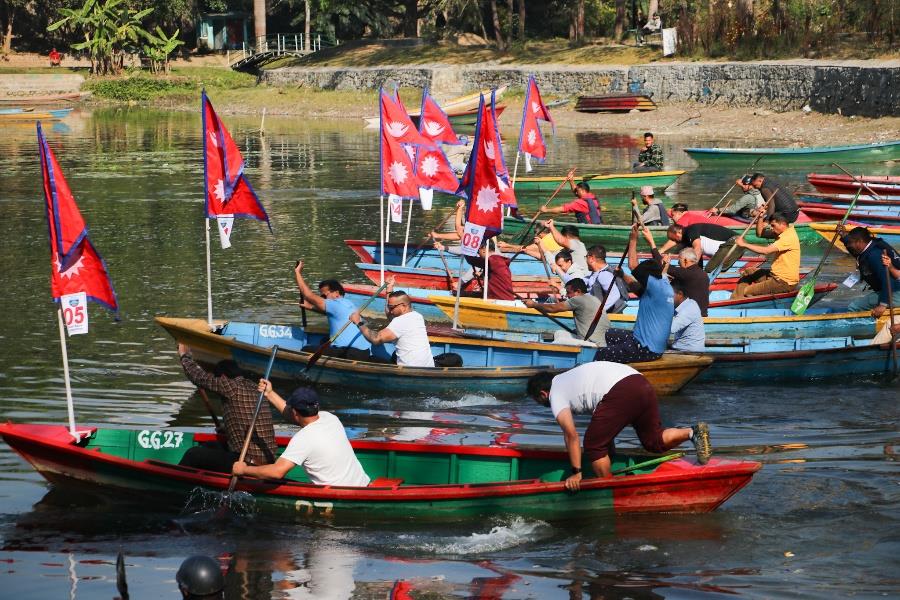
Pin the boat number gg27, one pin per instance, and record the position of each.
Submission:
(311, 509)
(158, 440)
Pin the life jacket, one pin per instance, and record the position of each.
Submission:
(598, 291)
(593, 215)
(664, 216)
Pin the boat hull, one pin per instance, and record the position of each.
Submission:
(619, 181)
(842, 184)
(890, 234)
(451, 483)
(798, 156)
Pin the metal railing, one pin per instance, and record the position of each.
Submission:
(279, 44)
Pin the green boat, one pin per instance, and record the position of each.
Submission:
(410, 480)
(615, 237)
(821, 155)
(660, 180)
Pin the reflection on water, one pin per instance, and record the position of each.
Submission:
(820, 517)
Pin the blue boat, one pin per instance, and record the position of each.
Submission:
(494, 367)
(765, 361)
(860, 153)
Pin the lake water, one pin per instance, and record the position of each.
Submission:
(820, 519)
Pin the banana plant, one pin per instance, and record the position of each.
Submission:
(160, 48)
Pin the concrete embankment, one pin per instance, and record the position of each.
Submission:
(26, 86)
(864, 88)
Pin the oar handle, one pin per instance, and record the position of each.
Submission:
(252, 426)
(541, 310)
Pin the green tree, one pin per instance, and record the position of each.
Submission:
(159, 48)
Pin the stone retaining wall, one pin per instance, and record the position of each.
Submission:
(871, 91)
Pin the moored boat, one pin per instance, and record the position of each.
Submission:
(821, 211)
(889, 233)
(858, 153)
(410, 481)
(467, 103)
(614, 103)
(841, 183)
(30, 116)
(660, 180)
(491, 367)
(863, 200)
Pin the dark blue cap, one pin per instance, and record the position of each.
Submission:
(303, 399)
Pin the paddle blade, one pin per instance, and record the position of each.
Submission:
(715, 261)
(804, 298)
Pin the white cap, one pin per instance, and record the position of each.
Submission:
(646, 190)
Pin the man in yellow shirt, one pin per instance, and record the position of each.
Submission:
(784, 274)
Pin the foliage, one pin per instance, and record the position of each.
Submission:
(185, 83)
(159, 49)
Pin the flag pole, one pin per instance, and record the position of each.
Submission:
(381, 236)
(387, 225)
(70, 405)
(487, 262)
(515, 174)
(408, 222)
(459, 286)
(209, 318)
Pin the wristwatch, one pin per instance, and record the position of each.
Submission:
(361, 324)
(576, 470)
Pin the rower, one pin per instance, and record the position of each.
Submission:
(782, 200)
(321, 446)
(875, 259)
(615, 396)
(704, 238)
(655, 213)
(584, 307)
(499, 286)
(569, 238)
(746, 205)
(600, 277)
(784, 273)
(565, 267)
(688, 274)
(406, 327)
(687, 325)
(330, 301)
(585, 207)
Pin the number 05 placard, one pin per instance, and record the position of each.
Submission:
(75, 312)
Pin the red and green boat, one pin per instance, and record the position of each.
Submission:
(410, 480)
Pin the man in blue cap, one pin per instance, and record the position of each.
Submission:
(321, 446)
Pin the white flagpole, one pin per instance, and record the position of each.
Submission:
(515, 170)
(387, 225)
(487, 261)
(70, 405)
(459, 286)
(381, 237)
(209, 318)
(408, 221)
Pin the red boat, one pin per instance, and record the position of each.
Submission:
(826, 212)
(837, 184)
(614, 103)
(692, 217)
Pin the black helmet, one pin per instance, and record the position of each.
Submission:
(747, 179)
(200, 576)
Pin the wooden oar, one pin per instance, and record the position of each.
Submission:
(716, 205)
(209, 407)
(890, 291)
(302, 302)
(318, 353)
(612, 282)
(543, 207)
(724, 264)
(805, 295)
(541, 310)
(249, 435)
(648, 463)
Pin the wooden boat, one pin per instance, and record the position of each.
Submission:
(475, 313)
(859, 153)
(796, 359)
(455, 106)
(494, 367)
(410, 481)
(889, 233)
(616, 236)
(660, 180)
(614, 103)
(842, 184)
(464, 118)
(863, 200)
(821, 211)
(15, 111)
(25, 115)
(427, 257)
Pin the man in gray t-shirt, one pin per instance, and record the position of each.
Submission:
(584, 306)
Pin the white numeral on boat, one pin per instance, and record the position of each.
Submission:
(275, 331)
(158, 440)
(312, 508)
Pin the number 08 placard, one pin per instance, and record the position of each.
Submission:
(75, 312)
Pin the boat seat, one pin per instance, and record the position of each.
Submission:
(391, 482)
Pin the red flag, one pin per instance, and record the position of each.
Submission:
(397, 131)
(530, 139)
(227, 190)
(433, 169)
(494, 149)
(75, 265)
(484, 206)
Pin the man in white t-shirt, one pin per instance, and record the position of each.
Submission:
(615, 395)
(321, 446)
(406, 328)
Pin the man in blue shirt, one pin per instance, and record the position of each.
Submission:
(331, 302)
(869, 253)
(687, 326)
(654, 319)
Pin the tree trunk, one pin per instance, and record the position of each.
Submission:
(522, 21)
(512, 12)
(654, 9)
(306, 26)
(620, 20)
(579, 22)
(8, 36)
(259, 21)
(411, 18)
(498, 34)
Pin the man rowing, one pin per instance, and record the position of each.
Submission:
(746, 205)
(406, 327)
(784, 273)
(877, 260)
(584, 307)
(330, 301)
(655, 212)
(615, 396)
(585, 207)
(782, 199)
(688, 274)
(321, 446)
(598, 282)
(499, 279)
(704, 238)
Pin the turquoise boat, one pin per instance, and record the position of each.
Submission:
(494, 367)
(815, 155)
